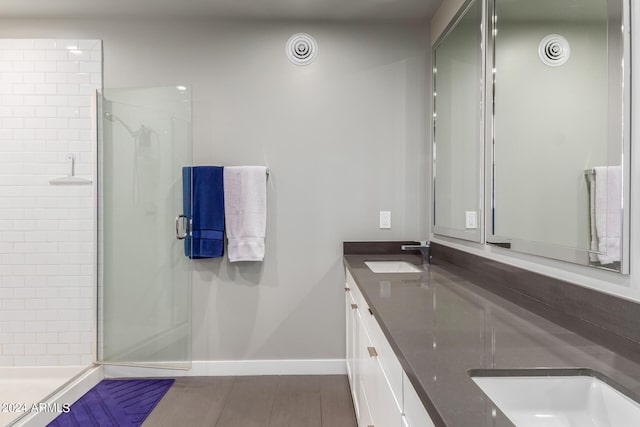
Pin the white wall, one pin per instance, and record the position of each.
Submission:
(47, 237)
(344, 138)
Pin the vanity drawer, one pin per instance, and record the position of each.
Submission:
(389, 363)
(350, 281)
(358, 299)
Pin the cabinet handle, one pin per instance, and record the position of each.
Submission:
(372, 351)
(347, 290)
(354, 306)
(370, 312)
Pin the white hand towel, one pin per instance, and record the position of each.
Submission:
(608, 212)
(245, 211)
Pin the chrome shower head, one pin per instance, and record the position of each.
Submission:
(113, 118)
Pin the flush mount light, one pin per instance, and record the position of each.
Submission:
(554, 50)
(302, 49)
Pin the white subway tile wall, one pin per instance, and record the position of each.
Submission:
(47, 232)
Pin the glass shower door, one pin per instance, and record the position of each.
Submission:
(144, 284)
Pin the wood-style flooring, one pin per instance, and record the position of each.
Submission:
(256, 401)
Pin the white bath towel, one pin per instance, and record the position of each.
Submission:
(245, 211)
(593, 254)
(608, 212)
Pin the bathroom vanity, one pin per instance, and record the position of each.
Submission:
(416, 341)
(382, 393)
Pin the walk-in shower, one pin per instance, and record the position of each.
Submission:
(90, 274)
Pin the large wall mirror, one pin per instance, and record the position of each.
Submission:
(559, 152)
(458, 126)
(545, 136)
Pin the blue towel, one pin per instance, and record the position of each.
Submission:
(205, 207)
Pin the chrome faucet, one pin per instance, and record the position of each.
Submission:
(423, 247)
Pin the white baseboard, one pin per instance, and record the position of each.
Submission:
(210, 368)
(67, 396)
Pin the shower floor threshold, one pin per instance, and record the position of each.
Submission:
(22, 387)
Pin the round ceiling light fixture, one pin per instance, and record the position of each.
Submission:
(302, 49)
(554, 50)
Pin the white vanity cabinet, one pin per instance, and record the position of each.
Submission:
(375, 374)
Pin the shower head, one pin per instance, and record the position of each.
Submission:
(113, 118)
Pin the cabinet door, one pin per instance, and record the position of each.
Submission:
(415, 414)
(348, 307)
(351, 349)
(384, 406)
(376, 391)
(363, 373)
(366, 420)
(389, 363)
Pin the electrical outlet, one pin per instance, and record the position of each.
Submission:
(385, 219)
(471, 220)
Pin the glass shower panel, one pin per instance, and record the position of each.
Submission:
(144, 277)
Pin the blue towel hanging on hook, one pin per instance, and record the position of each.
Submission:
(203, 204)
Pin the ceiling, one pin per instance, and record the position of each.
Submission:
(366, 10)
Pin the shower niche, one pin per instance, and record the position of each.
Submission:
(144, 279)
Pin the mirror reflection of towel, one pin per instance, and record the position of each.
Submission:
(203, 203)
(607, 212)
(245, 197)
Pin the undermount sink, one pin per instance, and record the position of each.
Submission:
(392, 267)
(559, 401)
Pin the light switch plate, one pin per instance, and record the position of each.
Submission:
(385, 219)
(471, 220)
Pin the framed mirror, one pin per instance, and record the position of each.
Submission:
(458, 125)
(559, 137)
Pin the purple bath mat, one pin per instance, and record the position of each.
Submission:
(115, 403)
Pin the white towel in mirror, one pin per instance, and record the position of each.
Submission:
(608, 212)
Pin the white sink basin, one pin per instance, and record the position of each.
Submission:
(560, 401)
(392, 267)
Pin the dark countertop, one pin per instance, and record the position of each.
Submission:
(441, 326)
